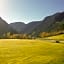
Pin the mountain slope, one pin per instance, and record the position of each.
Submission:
(50, 23)
(31, 26)
(4, 27)
(18, 26)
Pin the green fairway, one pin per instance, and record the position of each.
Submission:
(30, 52)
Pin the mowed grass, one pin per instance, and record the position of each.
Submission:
(20, 51)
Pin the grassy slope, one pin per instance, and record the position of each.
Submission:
(31, 52)
(59, 37)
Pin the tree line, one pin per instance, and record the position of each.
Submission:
(29, 36)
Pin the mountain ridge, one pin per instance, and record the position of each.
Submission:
(49, 24)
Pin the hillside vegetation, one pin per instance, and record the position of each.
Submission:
(30, 52)
(58, 37)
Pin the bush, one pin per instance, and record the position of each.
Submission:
(57, 41)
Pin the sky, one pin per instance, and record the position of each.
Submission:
(29, 10)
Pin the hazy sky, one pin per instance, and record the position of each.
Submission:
(29, 10)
